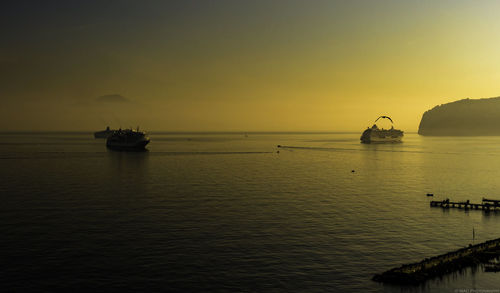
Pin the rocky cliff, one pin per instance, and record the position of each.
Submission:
(468, 117)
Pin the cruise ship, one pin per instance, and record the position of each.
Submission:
(104, 133)
(380, 135)
(128, 140)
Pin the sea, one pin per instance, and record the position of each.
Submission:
(239, 212)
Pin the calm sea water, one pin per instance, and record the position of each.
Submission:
(225, 212)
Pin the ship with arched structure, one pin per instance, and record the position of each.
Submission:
(375, 134)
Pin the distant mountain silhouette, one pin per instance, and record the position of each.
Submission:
(467, 117)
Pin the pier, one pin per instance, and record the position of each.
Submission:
(416, 273)
(486, 205)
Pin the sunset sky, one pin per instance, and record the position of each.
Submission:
(241, 65)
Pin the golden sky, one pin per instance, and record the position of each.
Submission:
(242, 65)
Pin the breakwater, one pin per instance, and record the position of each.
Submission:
(436, 266)
(486, 205)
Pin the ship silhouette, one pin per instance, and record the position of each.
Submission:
(104, 133)
(127, 139)
(379, 135)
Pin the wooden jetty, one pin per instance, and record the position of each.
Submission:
(486, 205)
(416, 273)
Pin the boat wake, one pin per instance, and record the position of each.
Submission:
(206, 153)
(350, 149)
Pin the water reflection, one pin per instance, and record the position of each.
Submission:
(123, 159)
(128, 169)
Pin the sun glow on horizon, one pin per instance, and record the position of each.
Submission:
(255, 66)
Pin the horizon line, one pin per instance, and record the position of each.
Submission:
(196, 131)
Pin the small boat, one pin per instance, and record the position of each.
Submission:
(104, 133)
(128, 140)
(378, 135)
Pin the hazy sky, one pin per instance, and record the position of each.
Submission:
(241, 65)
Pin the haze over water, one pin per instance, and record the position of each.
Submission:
(241, 65)
(225, 212)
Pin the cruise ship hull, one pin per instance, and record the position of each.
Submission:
(382, 136)
(128, 146)
(127, 140)
(375, 139)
